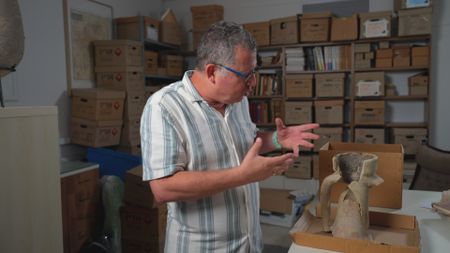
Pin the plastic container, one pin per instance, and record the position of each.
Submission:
(113, 162)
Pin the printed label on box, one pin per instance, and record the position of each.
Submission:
(369, 88)
(376, 28)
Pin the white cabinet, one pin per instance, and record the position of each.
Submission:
(30, 193)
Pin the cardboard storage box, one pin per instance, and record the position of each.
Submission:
(392, 233)
(301, 168)
(420, 56)
(369, 112)
(329, 111)
(330, 85)
(327, 134)
(129, 28)
(384, 58)
(369, 84)
(284, 31)
(279, 207)
(375, 24)
(401, 56)
(299, 85)
(203, 16)
(390, 168)
(126, 78)
(418, 85)
(150, 62)
(260, 31)
(414, 21)
(316, 167)
(137, 192)
(170, 31)
(369, 135)
(344, 28)
(315, 27)
(196, 37)
(95, 133)
(174, 64)
(134, 104)
(118, 53)
(142, 224)
(131, 135)
(410, 138)
(298, 112)
(97, 104)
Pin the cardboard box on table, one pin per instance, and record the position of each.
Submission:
(392, 233)
(390, 168)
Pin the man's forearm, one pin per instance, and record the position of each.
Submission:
(190, 185)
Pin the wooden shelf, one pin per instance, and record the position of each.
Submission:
(393, 98)
(156, 45)
(406, 125)
(397, 39)
(317, 71)
(410, 68)
(405, 98)
(162, 77)
(270, 66)
(350, 99)
(265, 97)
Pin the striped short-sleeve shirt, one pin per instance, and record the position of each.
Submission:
(180, 131)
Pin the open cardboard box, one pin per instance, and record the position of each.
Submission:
(390, 168)
(391, 233)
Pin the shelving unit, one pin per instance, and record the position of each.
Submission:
(349, 97)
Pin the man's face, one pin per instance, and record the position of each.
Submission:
(237, 80)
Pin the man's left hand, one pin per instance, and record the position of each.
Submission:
(294, 136)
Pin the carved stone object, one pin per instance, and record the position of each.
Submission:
(11, 36)
(358, 171)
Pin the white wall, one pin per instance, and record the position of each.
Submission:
(40, 78)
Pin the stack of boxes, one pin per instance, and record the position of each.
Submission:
(143, 221)
(203, 16)
(119, 67)
(96, 117)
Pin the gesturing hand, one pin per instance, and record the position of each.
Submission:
(294, 136)
(256, 168)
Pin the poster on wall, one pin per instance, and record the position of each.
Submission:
(85, 28)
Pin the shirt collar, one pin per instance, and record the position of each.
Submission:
(190, 89)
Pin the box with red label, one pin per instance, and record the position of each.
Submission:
(97, 104)
(118, 53)
(95, 134)
(127, 78)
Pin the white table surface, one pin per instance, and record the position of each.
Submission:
(434, 227)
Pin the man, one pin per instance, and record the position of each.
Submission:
(201, 150)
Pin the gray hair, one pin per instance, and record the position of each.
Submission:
(218, 43)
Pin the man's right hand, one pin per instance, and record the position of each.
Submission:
(255, 167)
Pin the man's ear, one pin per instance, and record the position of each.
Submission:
(210, 70)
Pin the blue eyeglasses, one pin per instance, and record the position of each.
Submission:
(246, 77)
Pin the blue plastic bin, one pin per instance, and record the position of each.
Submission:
(113, 162)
